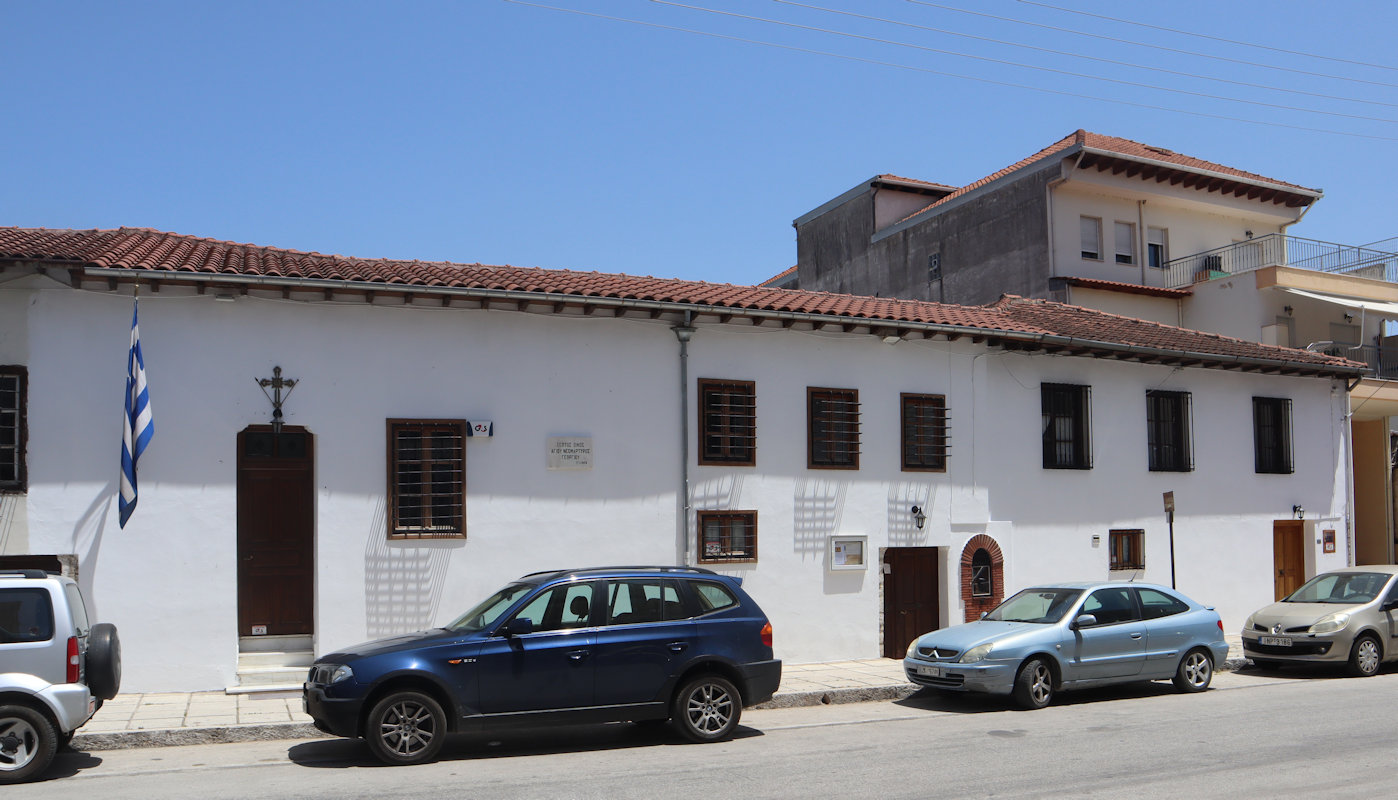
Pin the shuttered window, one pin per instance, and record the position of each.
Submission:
(925, 432)
(12, 428)
(1271, 433)
(427, 479)
(727, 423)
(1065, 426)
(833, 428)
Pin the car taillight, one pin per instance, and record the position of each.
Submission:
(1220, 626)
(75, 662)
(767, 634)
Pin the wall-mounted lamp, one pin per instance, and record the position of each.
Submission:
(919, 518)
(1298, 512)
(1349, 317)
(1247, 234)
(1287, 309)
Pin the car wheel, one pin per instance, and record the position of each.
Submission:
(1365, 656)
(706, 709)
(1195, 672)
(103, 666)
(27, 743)
(1034, 684)
(405, 728)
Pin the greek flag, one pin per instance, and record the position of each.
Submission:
(137, 424)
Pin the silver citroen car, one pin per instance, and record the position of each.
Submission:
(1348, 616)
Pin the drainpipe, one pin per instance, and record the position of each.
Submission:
(683, 332)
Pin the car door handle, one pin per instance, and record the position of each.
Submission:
(677, 647)
(577, 655)
(1135, 636)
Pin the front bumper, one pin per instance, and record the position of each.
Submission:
(990, 676)
(760, 681)
(1303, 647)
(335, 716)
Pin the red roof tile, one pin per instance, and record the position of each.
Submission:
(1033, 323)
(1126, 288)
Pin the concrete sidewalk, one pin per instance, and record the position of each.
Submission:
(160, 719)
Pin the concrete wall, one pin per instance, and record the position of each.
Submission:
(1371, 492)
(169, 578)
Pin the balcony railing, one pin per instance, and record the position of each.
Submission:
(1276, 250)
(1382, 361)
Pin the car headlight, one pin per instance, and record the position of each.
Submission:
(1329, 624)
(977, 653)
(912, 649)
(340, 673)
(1247, 623)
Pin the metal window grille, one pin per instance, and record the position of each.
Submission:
(727, 536)
(1167, 431)
(428, 471)
(1127, 548)
(981, 578)
(833, 416)
(1065, 428)
(1271, 429)
(12, 429)
(727, 422)
(926, 434)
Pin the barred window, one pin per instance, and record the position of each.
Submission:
(1271, 434)
(727, 536)
(1167, 432)
(832, 417)
(1127, 548)
(727, 422)
(12, 428)
(981, 578)
(427, 478)
(925, 432)
(1065, 428)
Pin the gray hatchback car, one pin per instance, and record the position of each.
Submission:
(1074, 635)
(1348, 616)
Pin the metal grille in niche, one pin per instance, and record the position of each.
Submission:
(926, 432)
(980, 573)
(834, 434)
(729, 420)
(429, 474)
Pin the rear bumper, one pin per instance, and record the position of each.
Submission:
(334, 716)
(760, 681)
(71, 703)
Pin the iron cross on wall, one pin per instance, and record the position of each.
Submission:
(277, 382)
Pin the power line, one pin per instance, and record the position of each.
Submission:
(1086, 57)
(1152, 46)
(1003, 62)
(1207, 36)
(925, 70)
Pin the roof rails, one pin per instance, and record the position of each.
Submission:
(636, 567)
(23, 573)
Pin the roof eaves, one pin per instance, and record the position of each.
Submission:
(1237, 177)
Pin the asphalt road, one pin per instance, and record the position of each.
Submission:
(1286, 734)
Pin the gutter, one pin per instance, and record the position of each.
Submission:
(1023, 337)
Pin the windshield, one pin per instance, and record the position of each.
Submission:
(485, 614)
(1045, 606)
(1345, 588)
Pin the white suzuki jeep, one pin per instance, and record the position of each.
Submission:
(55, 669)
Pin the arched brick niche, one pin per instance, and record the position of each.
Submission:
(982, 576)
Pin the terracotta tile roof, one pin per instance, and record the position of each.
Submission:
(1117, 145)
(914, 181)
(1031, 324)
(1126, 288)
(791, 270)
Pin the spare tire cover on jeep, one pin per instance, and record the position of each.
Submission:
(103, 661)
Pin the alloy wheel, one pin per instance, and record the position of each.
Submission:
(709, 708)
(19, 744)
(407, 728)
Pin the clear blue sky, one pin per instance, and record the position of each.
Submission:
(502, 133)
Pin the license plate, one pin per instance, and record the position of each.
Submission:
(1275, 641)
(931, 672)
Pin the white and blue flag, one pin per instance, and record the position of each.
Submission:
(137, 424)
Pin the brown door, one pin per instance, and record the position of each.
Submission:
(909, 597)
(275, 531)
(1288, 556)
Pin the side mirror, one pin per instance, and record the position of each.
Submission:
(985, 614)
(1084, 621)
(519, 626)
(1390, 605)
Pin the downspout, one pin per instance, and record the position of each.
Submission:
(683, 332)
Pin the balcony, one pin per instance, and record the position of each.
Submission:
(1376, 262)
(1382, 361)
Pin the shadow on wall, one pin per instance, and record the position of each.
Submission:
(817, 508)
(718, 494)
(902, 527)
(403, 579)
(87, 543)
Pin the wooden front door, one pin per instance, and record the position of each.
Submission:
(909, 597)
(1288, 556)
(276, 533)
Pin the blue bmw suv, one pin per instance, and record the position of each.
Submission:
(573, 646)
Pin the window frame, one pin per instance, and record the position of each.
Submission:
(16, 452)
(1122, 545)
(1128, 258)
(1272, 441)
(982, 581)
(1178, 431)
(829, 432)
(730, 434)
(1079, 396)
(915, 434)
(1095, 254)
(456, 529)
(726, 554)
(1157, 252)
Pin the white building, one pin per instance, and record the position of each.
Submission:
(783, 436)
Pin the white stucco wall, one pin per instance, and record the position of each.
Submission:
(169, 579)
